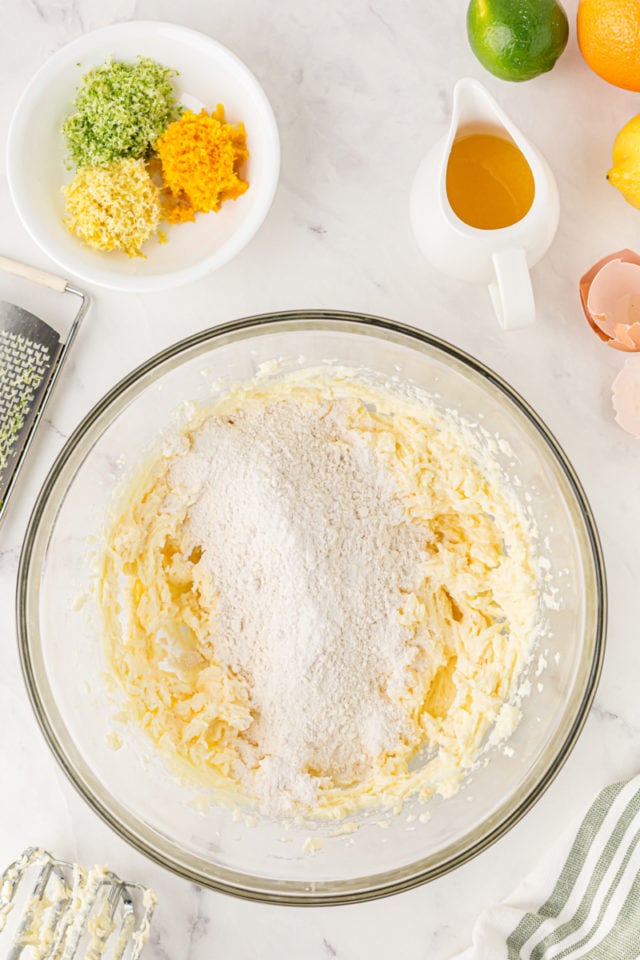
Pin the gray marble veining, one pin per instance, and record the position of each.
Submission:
(360, 91)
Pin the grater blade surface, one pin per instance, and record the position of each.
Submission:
(29, 352)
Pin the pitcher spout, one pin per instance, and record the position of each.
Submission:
(475, 110)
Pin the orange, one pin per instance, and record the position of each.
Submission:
(609, 39)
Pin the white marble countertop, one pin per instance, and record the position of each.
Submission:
(360, 91)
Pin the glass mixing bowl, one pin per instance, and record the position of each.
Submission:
(132, 791)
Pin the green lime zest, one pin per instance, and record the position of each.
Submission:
(120, 110)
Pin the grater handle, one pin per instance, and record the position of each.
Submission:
(34, 274)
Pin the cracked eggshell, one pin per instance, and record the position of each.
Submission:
(625, 395)
(610, 297)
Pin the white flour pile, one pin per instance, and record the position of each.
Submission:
(310, 551)
(312, 586)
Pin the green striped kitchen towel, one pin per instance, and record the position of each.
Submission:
(592, 910)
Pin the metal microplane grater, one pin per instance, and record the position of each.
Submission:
(61, 911)
(32, 355)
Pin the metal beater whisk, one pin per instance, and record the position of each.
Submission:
(69, 912)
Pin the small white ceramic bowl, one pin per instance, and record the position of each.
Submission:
(208, 74)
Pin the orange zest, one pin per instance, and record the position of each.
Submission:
(201, 156)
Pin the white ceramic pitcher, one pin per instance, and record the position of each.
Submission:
(502, 257)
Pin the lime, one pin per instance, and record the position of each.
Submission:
(517, 39)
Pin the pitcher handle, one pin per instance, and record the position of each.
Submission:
(512, 294)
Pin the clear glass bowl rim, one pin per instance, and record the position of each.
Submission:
(300, 893)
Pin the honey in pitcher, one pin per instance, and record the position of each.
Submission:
(489, 182)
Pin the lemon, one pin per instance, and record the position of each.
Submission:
(625, 172)
(517, 39)
(626, 145)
